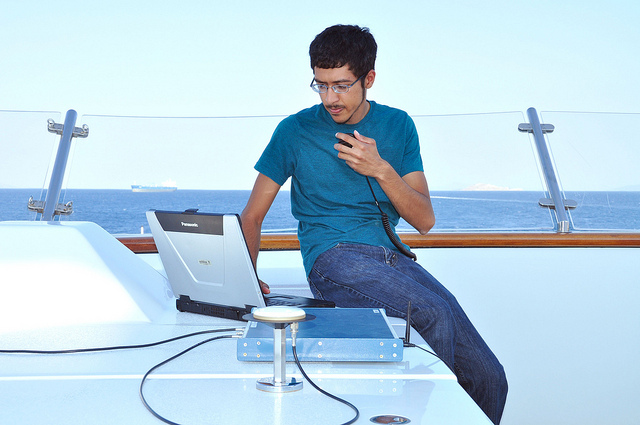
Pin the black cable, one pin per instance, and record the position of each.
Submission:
(120, 347)
(343, 401)
(152, 344)
(412, 345)
(385, 218)
(387, 228)
(123, 347)
(144, 378)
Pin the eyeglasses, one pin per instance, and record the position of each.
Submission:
(338, 88)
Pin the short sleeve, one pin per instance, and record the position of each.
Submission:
(279, 157)
(411, 161)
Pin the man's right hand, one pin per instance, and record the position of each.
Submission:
(264, 287)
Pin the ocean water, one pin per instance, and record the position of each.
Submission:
(123, 211)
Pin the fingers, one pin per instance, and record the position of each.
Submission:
(356, 148)
(362, 156)
(346, 141)
(359, 137)
(265, 288)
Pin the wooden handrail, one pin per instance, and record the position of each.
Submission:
(141, 244)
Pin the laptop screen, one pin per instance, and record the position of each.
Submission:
(206, 258)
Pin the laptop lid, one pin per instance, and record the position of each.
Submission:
(206, 258)
(209, 266)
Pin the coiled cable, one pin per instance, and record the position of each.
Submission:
(388, 230)
(385, 218)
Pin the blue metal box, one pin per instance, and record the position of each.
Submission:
(336, 334)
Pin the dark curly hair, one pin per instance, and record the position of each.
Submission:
(341, 45)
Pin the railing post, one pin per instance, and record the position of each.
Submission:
(67, 131)
(557, 200)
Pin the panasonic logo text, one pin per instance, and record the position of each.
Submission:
(188, 224)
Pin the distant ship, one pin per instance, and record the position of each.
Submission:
(167, 186)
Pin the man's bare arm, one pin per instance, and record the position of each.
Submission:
(262, 196)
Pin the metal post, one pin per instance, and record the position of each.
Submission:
(279, 357)
(550, 177)
(279, 383)
(67, 132)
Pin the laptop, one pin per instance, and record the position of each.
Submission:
(209, 267)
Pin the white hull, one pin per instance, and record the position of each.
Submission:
(139, 188)
(173, 189)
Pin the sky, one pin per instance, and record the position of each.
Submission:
(250, 58)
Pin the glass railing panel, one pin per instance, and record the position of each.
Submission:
(28, 152)
(195, 153)
(210, 160)
(482, 173)
(596, 156)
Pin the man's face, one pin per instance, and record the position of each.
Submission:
(345, 108)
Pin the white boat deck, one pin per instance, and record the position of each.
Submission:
(80, 288)
(208, 383)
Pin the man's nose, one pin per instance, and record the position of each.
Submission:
(331, 96)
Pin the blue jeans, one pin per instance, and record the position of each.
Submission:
(369, 276)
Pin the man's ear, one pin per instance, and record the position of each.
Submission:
(369, 79)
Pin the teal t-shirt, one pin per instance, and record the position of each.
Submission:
(332, 203)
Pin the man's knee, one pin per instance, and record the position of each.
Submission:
(499, 380)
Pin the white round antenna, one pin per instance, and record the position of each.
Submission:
(279, 314)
